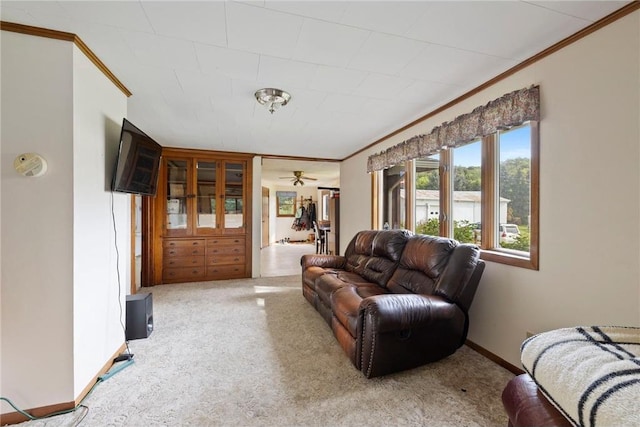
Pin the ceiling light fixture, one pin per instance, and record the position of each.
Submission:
(272, 98)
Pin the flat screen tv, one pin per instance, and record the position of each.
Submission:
(138, 162)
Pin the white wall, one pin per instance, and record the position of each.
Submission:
(283, 224)
(98, 109)
(589, 268)
(37, 222)
(60, 322)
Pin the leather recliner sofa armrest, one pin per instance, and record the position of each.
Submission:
(527, 406)
(403, 331)
(397, 312)
(324, 261)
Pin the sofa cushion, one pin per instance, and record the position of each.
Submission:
(456, 283)
(346, 304)
(311, 274)
(326, 285)
(352, 278)
(422, 262)
(359, 251)
(386, 251)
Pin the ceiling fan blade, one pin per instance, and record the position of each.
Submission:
(311, 179)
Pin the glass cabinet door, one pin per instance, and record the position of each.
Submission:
(177, 195)
(234, 195)
(206, 194)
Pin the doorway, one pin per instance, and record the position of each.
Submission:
(265, 218)
(136, 243)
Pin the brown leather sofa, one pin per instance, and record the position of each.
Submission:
(526, 405)
(395, 300)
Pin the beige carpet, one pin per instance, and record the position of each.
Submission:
(255, 353)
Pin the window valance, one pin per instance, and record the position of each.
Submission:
(509, 110)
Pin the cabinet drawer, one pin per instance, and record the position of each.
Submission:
(225, 259)
(225, 271)
(213, 251)
(225, 241)
(183, 243)
(182, 273)
(183, 251)
(183, 261)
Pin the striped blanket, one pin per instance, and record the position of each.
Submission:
(591, 374)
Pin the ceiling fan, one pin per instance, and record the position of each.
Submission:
(297, 178)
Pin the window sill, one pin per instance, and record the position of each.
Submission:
(509, 258)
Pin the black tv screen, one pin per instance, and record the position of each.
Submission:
(138, 162)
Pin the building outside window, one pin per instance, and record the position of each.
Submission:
(474, 179)
(466, 208)
(427, 195)
(514, 183)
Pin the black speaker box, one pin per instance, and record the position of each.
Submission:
(139, 316)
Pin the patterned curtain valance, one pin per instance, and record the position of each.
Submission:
(509, 110)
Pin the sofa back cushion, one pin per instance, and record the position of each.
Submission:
(438, 266)
(459, 280)
(422, 263)
(374, 254)
(359, 250)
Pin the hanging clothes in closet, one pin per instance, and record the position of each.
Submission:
(305, 215)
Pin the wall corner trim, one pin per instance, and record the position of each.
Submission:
(61, 35)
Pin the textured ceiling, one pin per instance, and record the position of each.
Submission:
(356, 70)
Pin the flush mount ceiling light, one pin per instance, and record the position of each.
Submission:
(272, 98)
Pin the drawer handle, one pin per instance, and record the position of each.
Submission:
(237, 259)
(194, 252)
(172, 243)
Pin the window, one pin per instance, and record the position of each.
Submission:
(511, 217)
(325, 206)
(484, 192)
(427, 195)
(394, 202)
(514, 183)
(467, 195)
(286, 203)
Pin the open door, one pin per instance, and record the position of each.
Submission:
(265, 217)
(136, 243)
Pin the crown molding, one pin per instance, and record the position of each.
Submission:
(618, 14)
(70, 37)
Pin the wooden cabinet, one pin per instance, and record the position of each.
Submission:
(202, 217)
(183, 259)
(226, 256)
